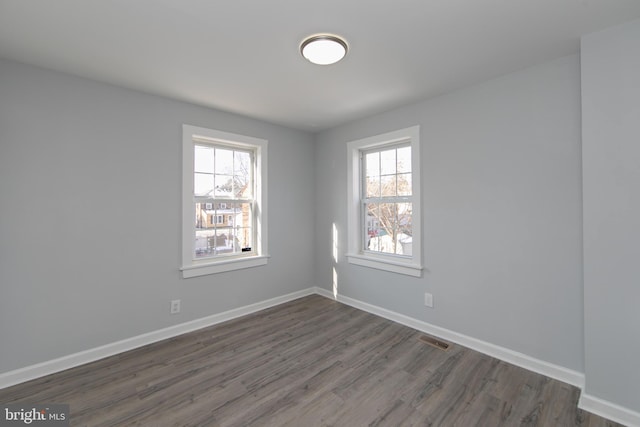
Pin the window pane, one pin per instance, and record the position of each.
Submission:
(242, 174)
(205, 242)
(241, 214)
(388, 184)
(243, 226)
(224, 186)
(224, 161)
(404, 159)
(373, 186)
(242, 187)
(203, 159)
(372, 161)
(200, 220)
(242, 239)
(405, 232)
(389, 221)
(404, 184)
(372, 225)
(205, 215)
(223, 241)
(388, 162)
(382, 227)
(202, 184)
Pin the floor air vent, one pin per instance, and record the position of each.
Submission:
(434, 342)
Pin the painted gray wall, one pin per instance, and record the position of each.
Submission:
(502, 213)
(90, 180)
(611, 159)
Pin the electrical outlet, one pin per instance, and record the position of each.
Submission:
(428, 299)
(175, 306)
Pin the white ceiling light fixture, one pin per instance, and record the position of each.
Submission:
(324, 49)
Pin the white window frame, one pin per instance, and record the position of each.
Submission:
(192, 267)
(409, 265)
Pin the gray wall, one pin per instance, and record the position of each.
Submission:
(90, 179)
(502, 213)
(611, 159)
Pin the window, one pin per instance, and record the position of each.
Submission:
(384, 202)
(224, 178)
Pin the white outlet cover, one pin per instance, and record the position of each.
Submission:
(428, 299)
(175, 306)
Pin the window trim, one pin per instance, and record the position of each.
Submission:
(191, 267)
(412, 265)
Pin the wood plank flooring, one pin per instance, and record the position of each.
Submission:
(309, 362)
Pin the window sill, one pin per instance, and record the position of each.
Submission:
(221, 266)
(391, 265)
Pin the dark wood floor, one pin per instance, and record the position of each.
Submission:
(310, 362)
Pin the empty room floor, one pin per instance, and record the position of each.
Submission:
(308, 362)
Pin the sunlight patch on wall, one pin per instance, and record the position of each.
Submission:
(335, 243)
(334, 234)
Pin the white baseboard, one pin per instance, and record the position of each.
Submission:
(519, 359)
(28, 373)
(609, 410)
(587, 402)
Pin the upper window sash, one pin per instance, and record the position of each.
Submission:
(223, 171)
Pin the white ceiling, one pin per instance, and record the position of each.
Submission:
(242, 55)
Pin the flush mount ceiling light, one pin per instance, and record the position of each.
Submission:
(323, 49)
